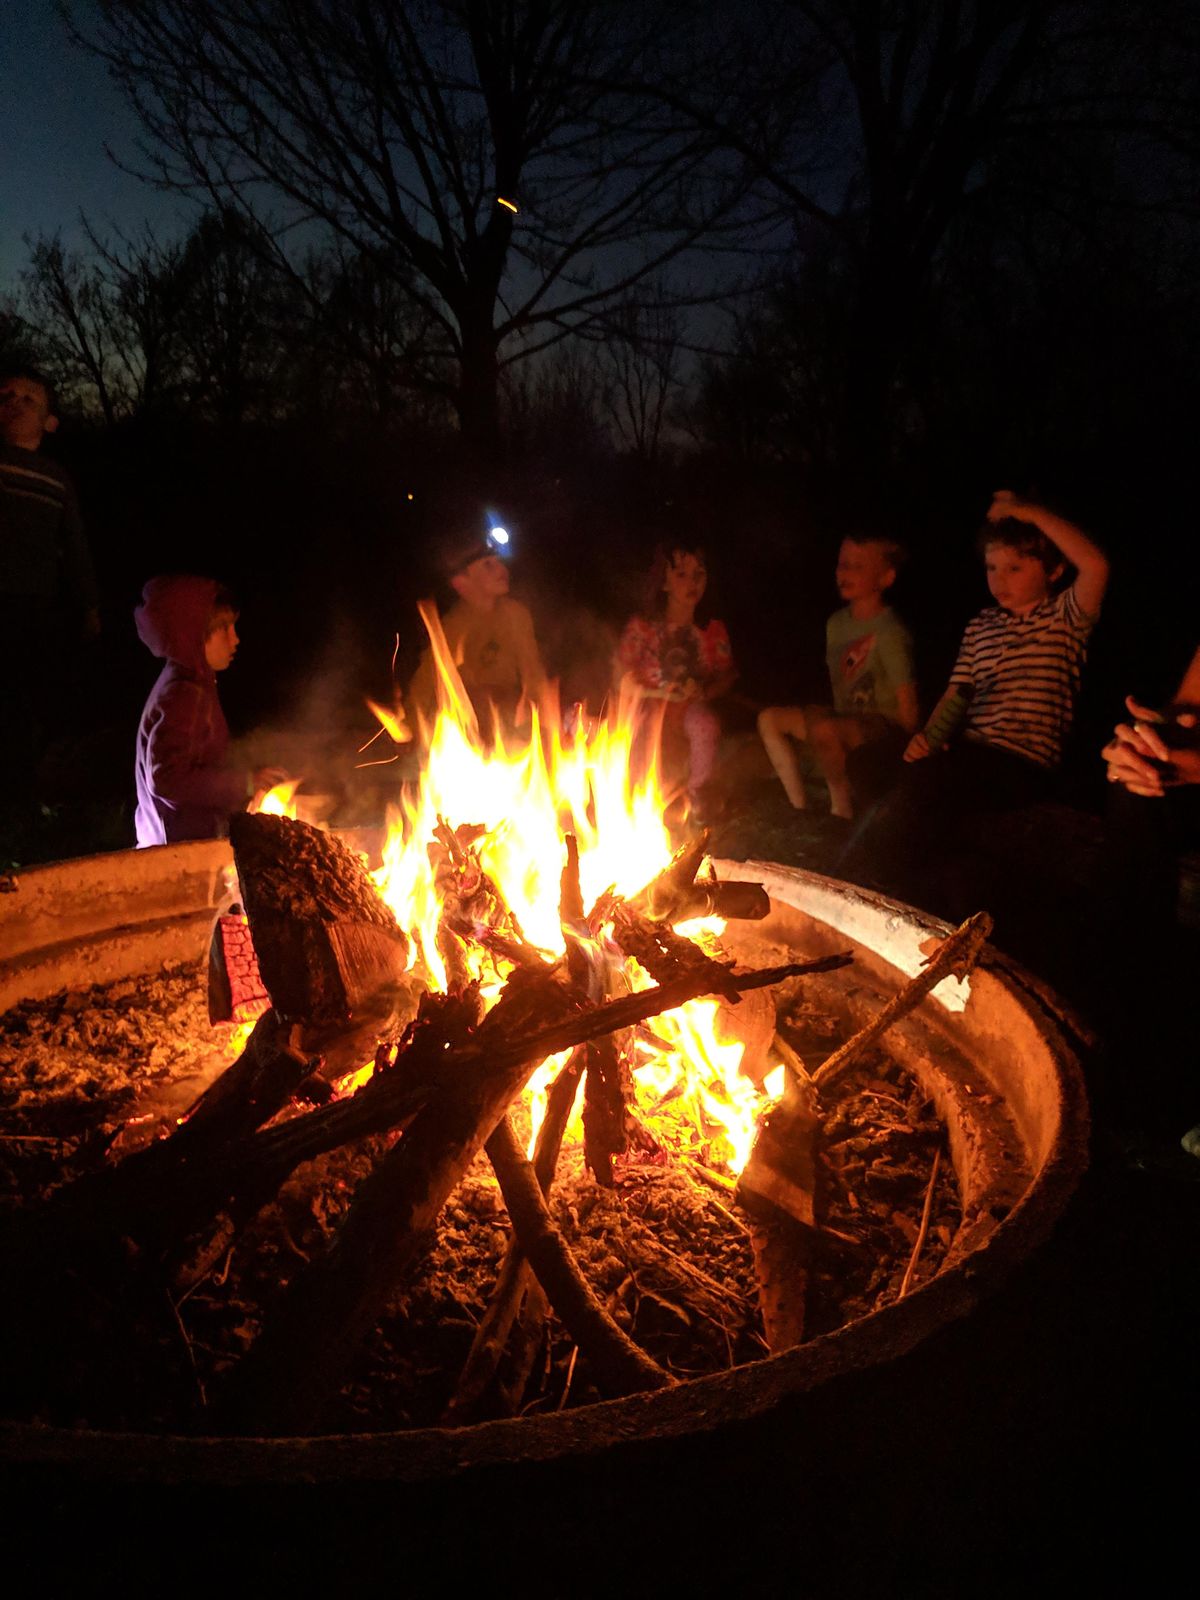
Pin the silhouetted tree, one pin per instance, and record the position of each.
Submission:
(493, 149)
(67, 301)
(886, 126)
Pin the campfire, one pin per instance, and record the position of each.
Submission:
(524, 1013)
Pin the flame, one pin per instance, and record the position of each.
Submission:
(394, 723)
(279, 801)
(524, 793)
(505, 800)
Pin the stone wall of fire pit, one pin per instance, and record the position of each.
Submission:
(999, 1056)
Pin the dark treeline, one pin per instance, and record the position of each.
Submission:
(776, 271)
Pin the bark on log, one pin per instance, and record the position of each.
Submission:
(325, 940)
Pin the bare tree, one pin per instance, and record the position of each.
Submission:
(67, 300)
(492, 147)
(884, 125)
(642, 372)
(140, 287)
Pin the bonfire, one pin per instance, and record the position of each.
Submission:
(530, 982)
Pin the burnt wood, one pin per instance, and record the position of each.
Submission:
(325, 940)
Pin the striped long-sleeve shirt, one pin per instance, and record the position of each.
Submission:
(1022, 675)
(43, 551)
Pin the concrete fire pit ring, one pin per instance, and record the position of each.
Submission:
(108, 917)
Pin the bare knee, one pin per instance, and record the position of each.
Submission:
(775, 721)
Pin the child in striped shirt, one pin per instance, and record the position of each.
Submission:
(998, 731)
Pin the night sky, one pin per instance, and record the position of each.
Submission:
(57, 112)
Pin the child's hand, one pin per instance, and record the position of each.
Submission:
(1007, 504)
(917, 748)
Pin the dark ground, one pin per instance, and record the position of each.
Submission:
(1044, 1445)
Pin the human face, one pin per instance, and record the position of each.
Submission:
(684, 583)
(25, 413)
(1018, 581)
(483, 582)
(221, 642)
(863, 572)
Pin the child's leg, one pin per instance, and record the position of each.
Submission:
(833, 737)
(703, 729)
(777, 727)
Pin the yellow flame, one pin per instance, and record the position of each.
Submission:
(279, 801)
(394, 723)
(516, 796)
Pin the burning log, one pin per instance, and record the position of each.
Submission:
(269, 1072)
(326, 942)
(675, 896)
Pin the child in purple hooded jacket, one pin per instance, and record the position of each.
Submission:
(186, 785)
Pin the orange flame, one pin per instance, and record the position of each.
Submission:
(520, 794)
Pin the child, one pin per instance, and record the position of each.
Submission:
(47, 585)
(186, 787)
(868, 651)
(677, 663)
(997, 733)
(490, 636)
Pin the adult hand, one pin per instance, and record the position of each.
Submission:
(1139, 758)
(917, 748)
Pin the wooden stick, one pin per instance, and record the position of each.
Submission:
(619, 1365)
(491, 1336)
(923, 1229)
(956, 954)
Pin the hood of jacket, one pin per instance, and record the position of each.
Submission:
(173, 617)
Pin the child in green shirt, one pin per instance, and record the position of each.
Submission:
(868, 651)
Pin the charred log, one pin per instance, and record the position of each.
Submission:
(326, 942)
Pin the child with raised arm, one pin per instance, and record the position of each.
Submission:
(996, 736)
(868, 651)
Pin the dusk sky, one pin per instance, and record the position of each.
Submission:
(57, 112)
